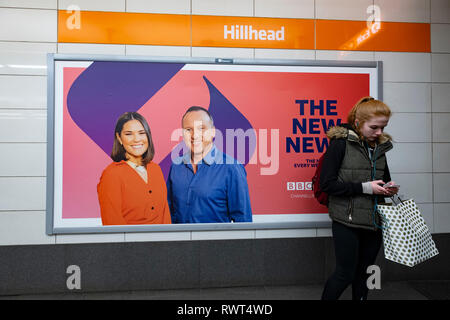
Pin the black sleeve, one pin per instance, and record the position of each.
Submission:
(332, 161)
(387, 175)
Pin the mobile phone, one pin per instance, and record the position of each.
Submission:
(387, 185)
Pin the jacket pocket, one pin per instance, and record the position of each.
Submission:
(340, 208)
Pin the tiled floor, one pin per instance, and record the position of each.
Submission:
(418, 290)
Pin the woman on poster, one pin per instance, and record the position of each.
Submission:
(132, 189)
(354, 175)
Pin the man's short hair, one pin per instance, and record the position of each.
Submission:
(197, 108)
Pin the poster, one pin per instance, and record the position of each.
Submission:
(271, 118)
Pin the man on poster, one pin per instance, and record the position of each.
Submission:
(206, 185)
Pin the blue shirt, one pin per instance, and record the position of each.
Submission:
(217, 192)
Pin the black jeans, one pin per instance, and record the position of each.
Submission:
(355, 250)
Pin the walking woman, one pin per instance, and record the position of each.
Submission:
(354, 175)
(132, 189)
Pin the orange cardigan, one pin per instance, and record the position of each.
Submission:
(125, 198)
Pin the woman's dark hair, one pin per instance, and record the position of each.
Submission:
(118, 152)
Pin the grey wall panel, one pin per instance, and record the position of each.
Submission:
(193, 264)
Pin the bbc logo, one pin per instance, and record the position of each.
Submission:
(299, 186)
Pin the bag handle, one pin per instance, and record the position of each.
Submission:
(393, 199)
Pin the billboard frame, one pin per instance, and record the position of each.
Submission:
(321, 222)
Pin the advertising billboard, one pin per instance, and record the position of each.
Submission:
(269, 120)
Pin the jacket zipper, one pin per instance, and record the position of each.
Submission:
(350, 210)
(371, 159)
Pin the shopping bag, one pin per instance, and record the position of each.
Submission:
(406, 237)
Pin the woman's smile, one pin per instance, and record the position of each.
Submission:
(134, 140)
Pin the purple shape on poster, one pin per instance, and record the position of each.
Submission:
(225, 116)
(105, 90)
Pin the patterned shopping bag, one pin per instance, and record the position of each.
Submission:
(406, 237)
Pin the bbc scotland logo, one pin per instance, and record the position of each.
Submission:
(299, 186)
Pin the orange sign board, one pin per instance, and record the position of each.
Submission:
(124, 28)
(380, 36)
(242, 32)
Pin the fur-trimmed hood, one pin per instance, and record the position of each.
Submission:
(345, 131)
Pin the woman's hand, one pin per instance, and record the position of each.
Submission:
(391, 190)
(377, 187)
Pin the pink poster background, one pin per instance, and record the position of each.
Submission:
(267, 100)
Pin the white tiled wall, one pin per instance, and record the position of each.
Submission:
(408, 97)
(405, 67)
(441, 217)
(427, 212)
(302, 9)
(342, 9)
(345, 55)
(12, 88)
(159, 6)
(440, 106)
(39, 26)
(222, 52)
(23, 227)
(404, 10)
(440, 67)
(38, 4)
(90, 238)
(84, 48)
(416, 86)
(24, 160)
(284, 54)
(439, 37)
(441, 156)
(441, 125)
(440, 95)
(24, 58)
(418, 186)
(23, 125)
(97, 5)
(410, 127)
(400, 159)
(223, 8)
(441, 187)
(440, 11)
(158, 51)
(22, 193)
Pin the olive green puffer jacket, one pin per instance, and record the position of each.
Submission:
(358, 210)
